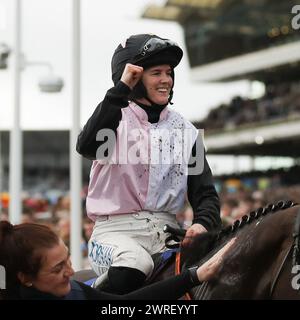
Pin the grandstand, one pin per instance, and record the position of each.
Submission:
(45, 161)
(240, 39)
(225, 40)
(254, 40)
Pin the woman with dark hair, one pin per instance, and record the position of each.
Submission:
(38, 267)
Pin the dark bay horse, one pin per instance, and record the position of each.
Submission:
(260, 263)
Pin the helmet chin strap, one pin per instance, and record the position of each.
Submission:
(155, 104)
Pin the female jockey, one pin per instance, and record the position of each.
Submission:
(147, 160)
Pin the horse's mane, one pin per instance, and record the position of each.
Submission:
(254, 215)
(206, 242)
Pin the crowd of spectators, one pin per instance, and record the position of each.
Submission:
(55, 214)
(242, 202)
(243, 193)
(239, 195)
(280, 101)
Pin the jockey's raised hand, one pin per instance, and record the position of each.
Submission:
(192, 232)
(131, 75)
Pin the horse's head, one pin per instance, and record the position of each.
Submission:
(255, 265)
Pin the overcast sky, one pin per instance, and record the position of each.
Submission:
(46, 31)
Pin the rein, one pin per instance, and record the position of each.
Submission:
(200, 290)
(173, 240)
(174, 237)
(187, 296)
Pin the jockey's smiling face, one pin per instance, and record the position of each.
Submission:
(158, 83)
(55, 272)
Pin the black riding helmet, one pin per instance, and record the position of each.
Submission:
(144, 50)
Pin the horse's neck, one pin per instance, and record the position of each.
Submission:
(250, 269)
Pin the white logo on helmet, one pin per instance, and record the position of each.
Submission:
(123, 43)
